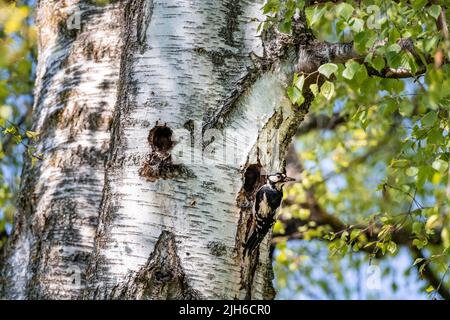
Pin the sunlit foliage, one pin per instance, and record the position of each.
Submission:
(380, 163)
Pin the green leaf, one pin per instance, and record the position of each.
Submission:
(434, 11)
(422, 266)
(356, 24)
(429, 119)
(344, 10)
(314, 89)
(361, 74)
(401, 163)
(17, 139)
(395, 86)
(378, 63)
(10, 130)
(285, 26)
(389, 107)
(394, 48)
(394, 35)
(440, 165)
(392, 247)
(417, 228)
(432, 222)
(418, 260)
(354, 234)
(294, 94)
(327, 90)
(31, 134)
(382, 246)
(278, 227)
(271, 6)
(412, 171)
(328, 69)
(419, 245)
(394, 60)
(299, 81)
(351, 68)
(360, 41)
(260, 27)
(317, 14)
(15, 20)
(418, 4)
(34, 160)
(300, 100)
(430, 289)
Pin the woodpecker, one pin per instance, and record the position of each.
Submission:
(267, 201)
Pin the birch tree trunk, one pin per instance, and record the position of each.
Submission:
(156, 128)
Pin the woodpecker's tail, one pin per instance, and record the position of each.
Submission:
(252, 243)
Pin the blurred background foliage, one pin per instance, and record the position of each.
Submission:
(370, 217)
(373, 202)
(17, 64)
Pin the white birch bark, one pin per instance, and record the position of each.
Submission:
(149, 195)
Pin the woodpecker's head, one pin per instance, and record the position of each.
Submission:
(277, 180)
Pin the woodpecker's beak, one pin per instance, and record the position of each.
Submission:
(288, 179)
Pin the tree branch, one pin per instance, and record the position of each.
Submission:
(318, 215)
(401, 236)
(342, 52)
(442, 24)
(315, 2)
(321, 121)
(320, 2)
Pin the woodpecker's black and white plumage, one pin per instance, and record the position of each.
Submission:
(267, 201)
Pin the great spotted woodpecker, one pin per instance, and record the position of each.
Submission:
(267, 201)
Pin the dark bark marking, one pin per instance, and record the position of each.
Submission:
(217, 248)
(233, 12)
(217, 120)
(144, 16)
(63, 30)
(217, 57)
(190, 126)
(106, 84)
(269, 292)
(80, 156)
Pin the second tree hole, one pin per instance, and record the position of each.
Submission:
(252, 177)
